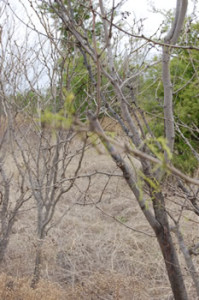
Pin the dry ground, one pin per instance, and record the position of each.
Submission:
(88, 254)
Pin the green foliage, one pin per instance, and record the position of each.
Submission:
(122, 219)
(152, 144)
(63, 118)
(75, 65)
(152, 182)
(158, 147)
(184, 158)
(184, 75)
(79, 84)
(27, 101)
(111, 134)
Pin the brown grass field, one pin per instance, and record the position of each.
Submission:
(88, 254)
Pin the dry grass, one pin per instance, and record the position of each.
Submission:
(19, 289)
(87, 255)
(98, 286)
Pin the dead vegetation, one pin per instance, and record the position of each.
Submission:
(99, 245)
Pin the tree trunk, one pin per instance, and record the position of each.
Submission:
(168, 99)
(172, 264)
(171, 38)
(159, 222)
(165, 241)
(38, 261)
(3, 246)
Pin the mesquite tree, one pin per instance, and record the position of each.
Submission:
(14, 192)
(96, 56)
(36, 144)
(114, 92)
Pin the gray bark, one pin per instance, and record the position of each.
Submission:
(159, 222)
(192, 270)
(171, 38)
(163, 234)
(38, 262)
